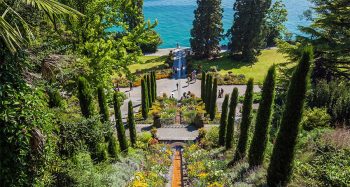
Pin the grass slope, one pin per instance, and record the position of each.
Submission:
(257, 70)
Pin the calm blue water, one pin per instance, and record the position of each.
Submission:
(175, 18)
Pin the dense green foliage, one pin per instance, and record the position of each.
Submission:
(260, 138)
(119, 125)
(231, 119)
(223, 121)
(245, 123)
(85, 98)
(144, 99)
(246, 37)
(335, 97)
(102, 103)
(329, 33)
(274, 27)
(55, 98)
(213, 99)
(207, 30)
(131, 124)
(315, 118)
(281, 163)
(203, 86)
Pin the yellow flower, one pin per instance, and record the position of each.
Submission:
(215, 184)
(203, 175)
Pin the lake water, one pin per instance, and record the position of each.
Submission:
(175, 18)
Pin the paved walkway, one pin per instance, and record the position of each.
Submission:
(168, 86)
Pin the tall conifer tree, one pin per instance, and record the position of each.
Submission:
(213, 99)
(231, 118)
(119, 124)
(152, 86)
(131, 123)
(203, 87)
(246, 121)
(263, 118)
(149, 90)
(281, 164)
(85, 97)
(104, 112)
(246, 34)
(144, 99)
(207, 28)
(223, 121)
(208, 92)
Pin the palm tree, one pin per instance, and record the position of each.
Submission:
(14, 35)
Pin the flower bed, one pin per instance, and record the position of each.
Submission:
(155, 170)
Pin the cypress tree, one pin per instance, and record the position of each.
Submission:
(207, 28)
(154, 86)
(208, 92)
(144, 99)
(102, 103)
(85, 97)
(213, 100)
(149, 90)
(131, 123)
(263, 118)
(246, 121)
(119, 124)
(246, 34)
(203, 87)
(112, 146)
(206, 89)
(231, 118)
(281, 164)
(223, 121)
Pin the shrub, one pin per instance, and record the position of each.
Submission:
(55, 99)
(315, 118)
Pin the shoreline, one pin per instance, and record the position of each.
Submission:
(166, 51)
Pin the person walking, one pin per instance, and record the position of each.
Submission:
(177, 86)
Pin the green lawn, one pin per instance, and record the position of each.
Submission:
(148, 62)
(257, 71)
(224, 64)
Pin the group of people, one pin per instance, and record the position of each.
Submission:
(192, 76)
(221, 93)
(186, 95)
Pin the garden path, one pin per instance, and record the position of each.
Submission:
(168, 86)
(176, 180)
